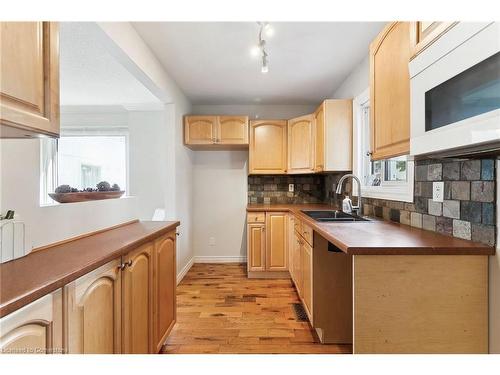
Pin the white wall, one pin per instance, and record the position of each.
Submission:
(357, 81)
(495, 283)
(220, 187)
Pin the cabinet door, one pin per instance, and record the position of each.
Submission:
(296, 267)
(35, 328)
(307, 282)
(429, 32)
(390, 54)
(319, 126)
(301, 143)
(338, 134)
(256, 246)
(164, 292)
(200, 130)
(93, 311)
(276, 241)
(29, 87)
(268, 147)
(232, 130)
(137, 301)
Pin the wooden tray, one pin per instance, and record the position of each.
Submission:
(85, 196)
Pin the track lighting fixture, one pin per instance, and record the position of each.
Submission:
(264, 29)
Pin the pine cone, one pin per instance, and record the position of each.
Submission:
(103, 186)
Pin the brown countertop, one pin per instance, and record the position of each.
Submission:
(380, 237)
(26, 279)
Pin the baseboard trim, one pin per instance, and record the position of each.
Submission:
(185, 270)
(220, 259)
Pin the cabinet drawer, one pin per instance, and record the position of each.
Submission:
(297, 226)
(256, 217)
(307, 233)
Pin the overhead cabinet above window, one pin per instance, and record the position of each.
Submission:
(29, 84)
(216, 132)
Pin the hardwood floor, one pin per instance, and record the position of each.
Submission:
(219, 310)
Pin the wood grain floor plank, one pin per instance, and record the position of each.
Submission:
(220, 310)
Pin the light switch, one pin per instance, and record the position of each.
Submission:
(438, 191)
(290, 188)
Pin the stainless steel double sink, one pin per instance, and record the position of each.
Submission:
(333, 216)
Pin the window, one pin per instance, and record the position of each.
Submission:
(82, 158)
(385, 179)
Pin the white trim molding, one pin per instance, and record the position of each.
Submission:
(220, 259)
(185, 270)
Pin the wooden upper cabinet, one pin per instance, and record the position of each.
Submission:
(428, 32)
(390, 54)
(93, 311)
(232, 130)
(165, 281)
(200, 130)
(35, 328)
(333, 120)
(268, 147)
(29, 84)
(276, 241)
(137, 301)
(216, 132)
(301, 145)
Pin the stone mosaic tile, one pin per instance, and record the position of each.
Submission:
(435, 208)
(444, 225)
(421, 204)
(416, 220)
(395, 215)
(462, 229)
(488, 213)
(487, 170)
(404, 217)
(435, 172)
(429, 222)
(471, 211)
(483, 233)
(483, 191)
(470, 170)
(460, 190)
(451, 209)
(451, 171)
(421, 172)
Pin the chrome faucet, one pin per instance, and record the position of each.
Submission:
(358, 208)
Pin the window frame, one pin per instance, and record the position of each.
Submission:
(50, 181)
(388, 190)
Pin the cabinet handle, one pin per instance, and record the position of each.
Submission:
(177, 234)
(122, 266)
(129, 263)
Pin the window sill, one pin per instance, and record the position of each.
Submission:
(393, 193)
(53, 204)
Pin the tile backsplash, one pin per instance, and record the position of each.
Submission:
(468, 209)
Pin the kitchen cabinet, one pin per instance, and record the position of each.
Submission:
(319, 146)
(35, 328)
(428, 32)
(267, 244)
(93, 311)
(301, 145)
(296, 262)
(137, 300)
(276, 241)
(256, 247)
(216, 132)
(390, 54)
(29, 88)
(165, 280)
(268, 147)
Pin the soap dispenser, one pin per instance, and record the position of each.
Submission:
(347, 205)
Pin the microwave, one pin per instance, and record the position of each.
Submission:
(455, 92)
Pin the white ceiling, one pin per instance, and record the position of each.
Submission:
(90, 75)
(212, 64)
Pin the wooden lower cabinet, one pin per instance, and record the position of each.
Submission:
(276, 241)
(137, 301)
(93, 311)
(35, 328)
(296, 265)
(256, 247)
(164, 283)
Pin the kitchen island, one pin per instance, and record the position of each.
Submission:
(412, 290)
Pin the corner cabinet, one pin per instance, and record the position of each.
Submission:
(390, 54)
(29, 85)
(268, 147)
(216, 132)
(301, 145)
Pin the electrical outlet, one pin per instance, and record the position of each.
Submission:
(290, 188)
(211, 241)
(438, 191)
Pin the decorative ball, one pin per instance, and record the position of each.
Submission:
(115, 187)
(103, 186)
(63, 189)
